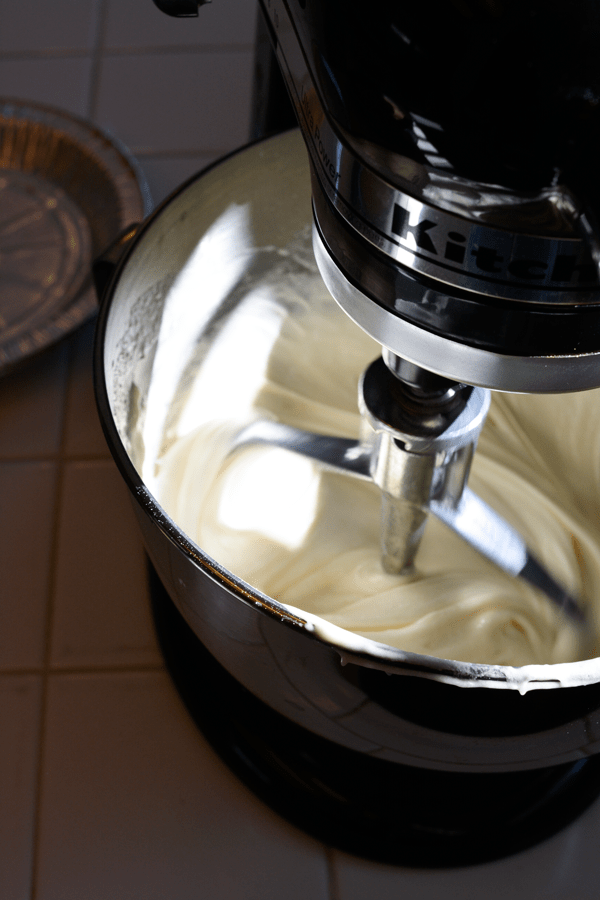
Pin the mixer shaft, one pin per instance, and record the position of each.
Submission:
(402, 527)
(424, 430)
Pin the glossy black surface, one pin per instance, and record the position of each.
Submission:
(366, 806)
(507, 91)
(402, 408)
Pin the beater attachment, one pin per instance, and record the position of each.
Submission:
(419, 434)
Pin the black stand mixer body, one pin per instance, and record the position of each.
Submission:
(452, 149)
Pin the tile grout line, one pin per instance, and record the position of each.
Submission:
(333, 887)
(211, 153)
(183, 154)
(97, 59)
(60, 463)
(116, 52)
(178, 49)
(54, 458)
(82, 670)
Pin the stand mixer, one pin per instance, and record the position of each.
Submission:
(452, 229)
(454, 186)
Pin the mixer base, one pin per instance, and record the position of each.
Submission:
(368, 807)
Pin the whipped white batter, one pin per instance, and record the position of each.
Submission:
(311, 538)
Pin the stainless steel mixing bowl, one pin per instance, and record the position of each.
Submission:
(379, 701)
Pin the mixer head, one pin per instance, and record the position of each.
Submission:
(454, 179)
(456, 190)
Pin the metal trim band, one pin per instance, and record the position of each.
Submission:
(451, 359)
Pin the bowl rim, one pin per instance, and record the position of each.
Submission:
(352, 648)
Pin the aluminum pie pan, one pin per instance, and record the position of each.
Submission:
(67, 190)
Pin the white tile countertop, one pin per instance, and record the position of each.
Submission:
(107, 789)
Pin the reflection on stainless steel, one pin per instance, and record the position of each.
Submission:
(338, 454)
(423, 442)
(447, 357)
